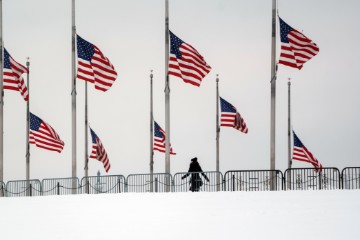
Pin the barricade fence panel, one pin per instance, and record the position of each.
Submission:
(157, 182)
(253, 180)
(23, 188)
(103, 184)
(351, 178)
(198, 182)
(60, 186)
(235, 180)
(310, 179)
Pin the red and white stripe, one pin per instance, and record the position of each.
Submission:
(160, 145)
(47, 138)
(99, 71)
(298, 51)
(304, 155)
(192, 67)
(99, 153)
(13, 79)
(233, 120)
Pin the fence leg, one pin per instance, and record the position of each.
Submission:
(156, 185)
(233, 182)
(119, 185)
(30, 189)
(58, 188)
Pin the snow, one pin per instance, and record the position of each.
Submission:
(204, 215)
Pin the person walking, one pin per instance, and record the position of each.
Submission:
(195, 180)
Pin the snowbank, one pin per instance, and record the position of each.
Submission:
(223, 215)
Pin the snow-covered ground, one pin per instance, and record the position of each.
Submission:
(292, 215)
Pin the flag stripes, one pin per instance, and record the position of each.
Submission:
(186, 62)
(230, 117)
(98, 151)
(43, 135)
(159, 139)
(301, 153)
(296, 48)
(13, 79)
(93, 66)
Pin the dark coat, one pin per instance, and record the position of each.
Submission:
(195, 180)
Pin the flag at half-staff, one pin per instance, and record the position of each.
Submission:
(230, 117)
(296, 48)
(93, 66)
(98, 151)
(13, 79)
(186, 62)
(159, 139)
(301, 153)
(43, 135)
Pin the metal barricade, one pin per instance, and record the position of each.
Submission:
(198, 182)
(60, 186)
(2, 189)
(23, 188)
(253, 180)
(309, 179)
(157, 182)
(350, 178)
(103, 184)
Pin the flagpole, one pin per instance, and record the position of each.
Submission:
(167, 96)
(151, 133)
(289, 134)
(86, 168)
(217, 135)
(28, 123)
(289, 124)
(273, 93)
(73, 96)
(1, 97)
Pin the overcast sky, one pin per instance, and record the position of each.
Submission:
(234, 37)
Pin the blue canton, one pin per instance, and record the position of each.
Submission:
(297, 141)
(93, 136)
(226, 106)
(85, 49)
(284, 31)
(157, 131)
(35, 122)
(175, 43)
(7, 59)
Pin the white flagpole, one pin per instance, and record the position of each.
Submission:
(167, 96)
(217, 135)
(1, 97)
(151, 133)
(28, 123)
(86, 168)
(273, 93)
(289, 124)
(289, 135)
(73, 95)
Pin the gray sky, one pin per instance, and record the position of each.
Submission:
(234, 37)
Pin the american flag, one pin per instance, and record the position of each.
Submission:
(98, 151)
(159, 139)
(93, 66)
(12, 75)
(43, 135)
(185, 62)
(296, 48)
(301, 153)
(230, 117)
